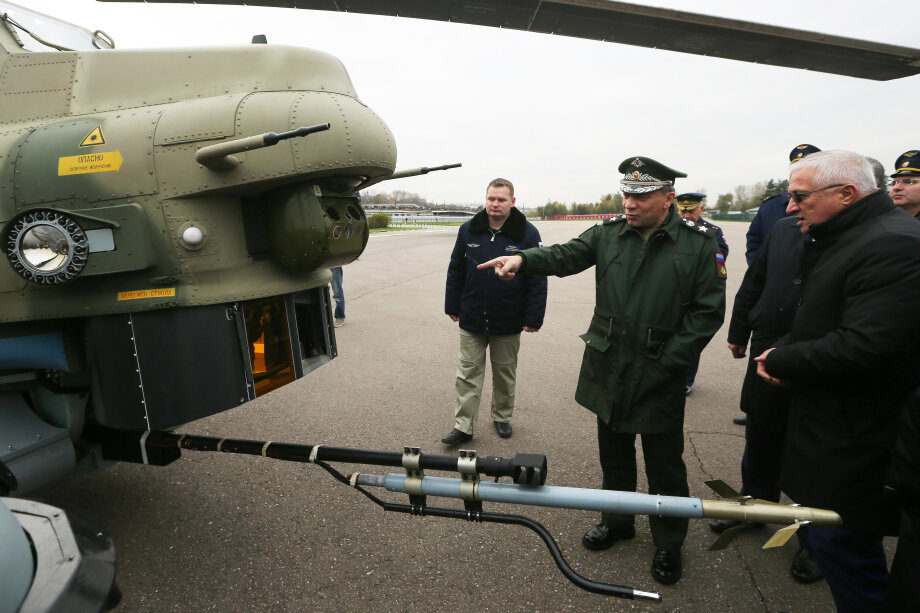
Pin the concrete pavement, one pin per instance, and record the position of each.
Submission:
(246, 533)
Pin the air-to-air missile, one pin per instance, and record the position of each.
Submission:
(527, 473)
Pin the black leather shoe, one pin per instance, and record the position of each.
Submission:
(741, 421)
(503, 428)
(666, 566)
(804, 567)
(721, 525)
(455, 437)
(601, 537)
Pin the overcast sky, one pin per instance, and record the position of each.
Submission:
(557, 115)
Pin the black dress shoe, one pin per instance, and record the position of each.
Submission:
(804, 567)
(601, 537)
(503, 428)
(741, 421)
(721, 525)
(666, 566)
(455, 437)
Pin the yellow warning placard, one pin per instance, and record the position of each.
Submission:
(163, 292)
(93, 138)
(108, 161)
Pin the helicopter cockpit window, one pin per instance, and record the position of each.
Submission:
(37, 32)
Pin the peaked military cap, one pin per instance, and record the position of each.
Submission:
(642, 174)
(801, 151)
(908, 163)
(689, 201)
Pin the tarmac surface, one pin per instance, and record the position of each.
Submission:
(240, 533)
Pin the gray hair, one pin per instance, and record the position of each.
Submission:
(839, 166)
(881, 178)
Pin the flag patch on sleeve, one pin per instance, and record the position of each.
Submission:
(720, 266)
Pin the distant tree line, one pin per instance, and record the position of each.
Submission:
(403, 197)
(746, 197)
(609, 203)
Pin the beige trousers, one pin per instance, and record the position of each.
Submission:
(471, 371)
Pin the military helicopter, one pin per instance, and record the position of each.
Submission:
(202, 208)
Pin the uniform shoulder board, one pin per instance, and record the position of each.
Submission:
(709, 224)
(697, 227)
(614, 219)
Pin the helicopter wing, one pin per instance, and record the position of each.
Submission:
(644, 26)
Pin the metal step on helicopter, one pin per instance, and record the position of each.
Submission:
(144, 212)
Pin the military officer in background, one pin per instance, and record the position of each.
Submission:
(660, 298)
(772, 209)
(905, 183)
(690, 206)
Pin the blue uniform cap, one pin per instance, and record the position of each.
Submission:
(908, 163)
(689, 201)
(801, 151)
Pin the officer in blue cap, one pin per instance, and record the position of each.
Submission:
(772, 209)
(905, 182)
(690, 206)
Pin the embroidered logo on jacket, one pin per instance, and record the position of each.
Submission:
(472, 245)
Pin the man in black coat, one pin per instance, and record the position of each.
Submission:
(850, 360)
(904, 477)
(491, 312)
(762, 313)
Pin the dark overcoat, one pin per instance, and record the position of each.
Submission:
(851, 357)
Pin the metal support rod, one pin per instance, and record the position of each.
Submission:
(606, 589)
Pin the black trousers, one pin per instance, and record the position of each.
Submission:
(664, 468)
(767, 409)
(904, 588)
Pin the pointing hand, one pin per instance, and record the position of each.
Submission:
(505, 266)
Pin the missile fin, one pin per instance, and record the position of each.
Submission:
(782, 536)
(727, 537)
(724, 490)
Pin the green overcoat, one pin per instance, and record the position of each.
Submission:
(658, 303)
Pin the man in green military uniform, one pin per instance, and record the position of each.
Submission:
(660, 299)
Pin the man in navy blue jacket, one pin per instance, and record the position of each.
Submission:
(491, 312)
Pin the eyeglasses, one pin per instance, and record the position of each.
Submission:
(797, 197)
(905, 182)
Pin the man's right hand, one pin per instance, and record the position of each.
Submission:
(738, 351)
(505, 266)
(454, 317)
